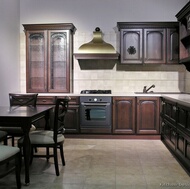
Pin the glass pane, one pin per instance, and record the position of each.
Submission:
(37, 61)
(58, 60)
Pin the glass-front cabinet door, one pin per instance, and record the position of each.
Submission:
(58, 63)
(36, 62)
(49, 49)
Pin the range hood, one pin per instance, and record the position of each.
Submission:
(96, 49)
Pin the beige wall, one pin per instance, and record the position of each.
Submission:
(90, 14)
(187, 81)
(9, 52)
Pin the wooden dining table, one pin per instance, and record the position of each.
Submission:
(23, 117)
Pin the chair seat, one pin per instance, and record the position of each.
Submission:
(3, 135)
(7, 152)
(43, 137)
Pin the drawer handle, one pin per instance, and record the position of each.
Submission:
(174, 133)
(163, 103)
(43, 100)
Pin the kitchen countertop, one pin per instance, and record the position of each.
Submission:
(159, 94)
(182, 98)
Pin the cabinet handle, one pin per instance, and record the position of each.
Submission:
(163, 103)
(43, 100)
(174, 108)
(174, 133)
(163, 124)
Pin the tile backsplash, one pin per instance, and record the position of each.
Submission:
(112, 75)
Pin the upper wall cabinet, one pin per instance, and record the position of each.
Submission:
(149, 42)
(183, 17)
(49, 49)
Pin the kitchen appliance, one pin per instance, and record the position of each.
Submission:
(95, 112)
(97, 48)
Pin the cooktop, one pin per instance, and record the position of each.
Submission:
(96, 92)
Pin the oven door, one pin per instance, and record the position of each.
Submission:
(95, 115)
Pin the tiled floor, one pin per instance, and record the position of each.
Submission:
(108, 164)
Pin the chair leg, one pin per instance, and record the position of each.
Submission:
(17, 170)
(62, 155)
(6, 141)
(56, 161)
(13, 141)
(35, 149)
(47, 153)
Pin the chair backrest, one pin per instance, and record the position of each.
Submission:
(61, 108)
(17, 99)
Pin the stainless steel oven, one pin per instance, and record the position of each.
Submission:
(95, 114)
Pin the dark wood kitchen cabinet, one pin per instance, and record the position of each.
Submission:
(168, 122)
(148, 113)
(72, 117)
(124, 115)
(49, 49)
(175, 132)
(154, 45)
(131, 46)
(149, 42)
(183, 16)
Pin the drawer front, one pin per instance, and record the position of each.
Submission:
(74, 99)
(43, 100)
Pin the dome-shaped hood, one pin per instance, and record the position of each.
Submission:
(97, 48)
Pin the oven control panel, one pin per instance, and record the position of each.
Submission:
(95, 99)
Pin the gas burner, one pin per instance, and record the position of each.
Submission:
(96, 92)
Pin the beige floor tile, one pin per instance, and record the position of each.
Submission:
(107, 164)
(129, 179)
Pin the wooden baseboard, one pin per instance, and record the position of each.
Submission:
(99, 136)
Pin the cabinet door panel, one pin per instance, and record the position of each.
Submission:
(170, 111)
(187, 150)
(123, 115)
(72, 119)
(172, 46)
(147, 115)
(154, 45)
(131, 46)
(183, 119)
(180, 143)
(36, 61)
(58, 61)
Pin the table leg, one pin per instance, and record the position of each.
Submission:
(26, 151)
(47, 120)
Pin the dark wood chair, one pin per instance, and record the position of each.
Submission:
(3, 135)
(7, 154)
(17, 100)
(51, 138)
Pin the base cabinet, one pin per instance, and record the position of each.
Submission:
(136, 115)
(148, 115)
(72, 117)
(123, 115)
(175, 132)
(169, 134)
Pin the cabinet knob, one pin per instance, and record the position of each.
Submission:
(174, 133)
(163, 103)
(174, 108)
